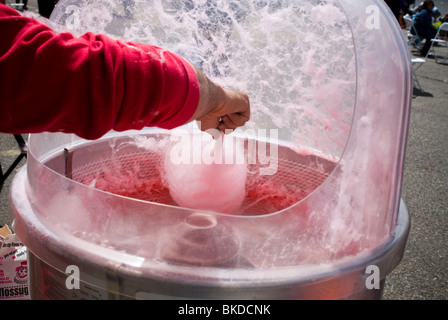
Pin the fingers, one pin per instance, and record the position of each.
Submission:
(227, 122)
(233, 121)
(232, 112)
(236, 110)
(207, 123)
(220, 108)
(237, 103)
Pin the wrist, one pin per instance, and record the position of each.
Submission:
(211, 95)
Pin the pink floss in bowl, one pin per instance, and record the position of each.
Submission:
(207, 174)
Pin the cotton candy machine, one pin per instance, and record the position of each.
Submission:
(307, 205)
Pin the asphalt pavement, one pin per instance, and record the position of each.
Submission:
(423, 272)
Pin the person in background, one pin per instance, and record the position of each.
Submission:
(423, 25)
(442, 33)
(444, 18)
(405, 6)
(93, 84)
(399, 8)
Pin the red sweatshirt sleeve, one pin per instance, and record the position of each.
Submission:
(88, 85)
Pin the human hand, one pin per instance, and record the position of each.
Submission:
(231, 112)
(220, 108)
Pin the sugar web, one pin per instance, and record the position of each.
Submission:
(163, 170)
(133, 170)
(295, 59)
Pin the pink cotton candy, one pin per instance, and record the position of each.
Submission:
(197, 183)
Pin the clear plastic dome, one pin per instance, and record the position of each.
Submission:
(330, 89)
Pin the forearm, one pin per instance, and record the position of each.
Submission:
(210, 95)
(88, 85)
(92, 84)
